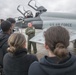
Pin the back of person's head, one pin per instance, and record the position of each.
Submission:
(1, 20)
(12, 20)
(16, 41)
(57, 39)
(5, 26)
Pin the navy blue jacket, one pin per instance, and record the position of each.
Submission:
(49, 67)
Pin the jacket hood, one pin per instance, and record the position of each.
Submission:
(3, 38)
(53, 68)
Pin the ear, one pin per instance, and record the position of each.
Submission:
(10, 31)
(10, 28)
(24, 45)
(46, 46)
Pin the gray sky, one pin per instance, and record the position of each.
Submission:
(8, 8)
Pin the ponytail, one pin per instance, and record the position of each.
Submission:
(11, 49)
(60, 51)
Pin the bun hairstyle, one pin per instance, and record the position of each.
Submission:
(60, 51)
(57, 39)
(15, 42)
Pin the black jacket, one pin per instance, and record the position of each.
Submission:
(3, 42)
(3, 45)
(18, 63)
(46, 67)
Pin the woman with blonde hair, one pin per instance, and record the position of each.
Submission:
(59, 61)
(17, 61)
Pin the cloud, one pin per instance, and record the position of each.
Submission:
(60, 5)
(8, 8)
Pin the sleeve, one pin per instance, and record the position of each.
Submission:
(33, 58)
(32, 30)
(4, 48)
(26, 31)
(33, 69)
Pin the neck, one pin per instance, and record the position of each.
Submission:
(51, 54)
(7, 32)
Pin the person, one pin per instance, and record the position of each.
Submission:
(74, 45)
(59, 60)
(30, 31)
(29, 14)
(1, 20)
(4, 35)
(17, 61)
(37, 14)
(12, 20)
(6, 31)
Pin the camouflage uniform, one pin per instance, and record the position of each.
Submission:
(30, 31)
(74, 45)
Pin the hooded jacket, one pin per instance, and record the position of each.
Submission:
(3, 45)
(17, 63)
(49, 67)
(3, 41)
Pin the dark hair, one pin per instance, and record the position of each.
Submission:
(5, 26)
(2, 20)
(12, 20)
(57, 39)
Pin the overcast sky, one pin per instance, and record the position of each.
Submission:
(8, 8)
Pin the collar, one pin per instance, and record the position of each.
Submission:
(20, 51)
